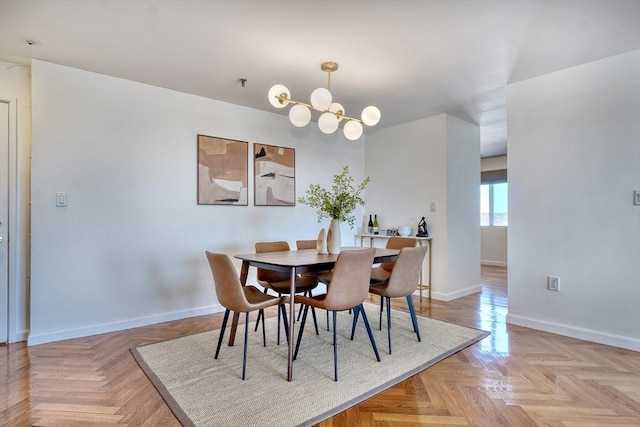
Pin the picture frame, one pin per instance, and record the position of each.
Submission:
(223, 171)
(274, 175)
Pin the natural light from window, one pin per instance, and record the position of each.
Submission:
(494, 205)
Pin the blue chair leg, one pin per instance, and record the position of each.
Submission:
(260, 315)
(356, 313)
(412, 310)
(246, 338)
(264, 334)
(381, 310)
(335, 349)
(315, 320)
(304, 319)
(389, 322)
(286, 322)
(224, 325)
(373, 341)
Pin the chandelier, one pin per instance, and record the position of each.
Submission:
(332, 113)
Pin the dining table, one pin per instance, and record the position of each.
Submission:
(296, 262)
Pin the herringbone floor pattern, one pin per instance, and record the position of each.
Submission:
(515, 377)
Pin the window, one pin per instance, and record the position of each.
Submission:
(494, 206)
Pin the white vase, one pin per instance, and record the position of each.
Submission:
(333, 237)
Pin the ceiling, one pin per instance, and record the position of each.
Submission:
(412, 59)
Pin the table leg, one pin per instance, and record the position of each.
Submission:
(429, 276)
(292, 317)
(244, 272)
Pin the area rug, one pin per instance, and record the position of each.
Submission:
(203, 391)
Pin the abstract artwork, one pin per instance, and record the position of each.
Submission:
(223, 171)
(274, 173)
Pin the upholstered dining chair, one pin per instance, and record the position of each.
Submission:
(349, 288)
(401, 283)
(311, 244)
(240, 299)
(383, 272)
(306, 244)
(279, 282)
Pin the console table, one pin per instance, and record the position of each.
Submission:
(421, 241)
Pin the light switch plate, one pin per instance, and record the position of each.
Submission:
(61, 200)
(636, 197)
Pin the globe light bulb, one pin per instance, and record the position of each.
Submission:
(328, 123)
(370, 116)
(338, 109)
(300, 115)
(275, 92)
(321, 99)
(352, 130)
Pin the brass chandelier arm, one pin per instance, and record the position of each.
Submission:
(283, 99)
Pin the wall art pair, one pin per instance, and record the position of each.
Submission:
(223, 173)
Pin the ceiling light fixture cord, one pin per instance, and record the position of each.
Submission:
(321, 100)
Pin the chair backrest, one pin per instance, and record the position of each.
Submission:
(268, 275)
(350, 281)
(228, 287)
(397, 243)
(405, 275)
(306, 244)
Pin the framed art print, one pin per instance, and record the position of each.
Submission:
(274, 175)
(223, 171)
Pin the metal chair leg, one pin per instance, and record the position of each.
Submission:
(356, 314)
(246, 338)
(412, 310)
(381, 309)
(335, 349)
(373, 341)
(304, 319)
(389, 322)
(224, 325)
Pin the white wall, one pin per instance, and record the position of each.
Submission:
(129, 248)
(493, 240)
(15, 85)
(574, 156)
(432, 160)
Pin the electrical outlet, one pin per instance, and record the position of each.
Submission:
(433, 206)
(553, 283)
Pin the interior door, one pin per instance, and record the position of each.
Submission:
(4, 221)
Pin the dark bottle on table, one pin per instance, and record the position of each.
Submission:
(375, 225)
(370, 226)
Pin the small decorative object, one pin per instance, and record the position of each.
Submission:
(422, 228)
(404, 231)
(321, 244)
(337, 204)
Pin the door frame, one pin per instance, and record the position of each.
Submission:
(12, 219)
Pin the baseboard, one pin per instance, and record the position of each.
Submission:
(19, 336)
(599, 337)
(120, 326)
(493, 263)
(441, 296)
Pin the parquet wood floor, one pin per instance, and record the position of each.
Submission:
(515, 377)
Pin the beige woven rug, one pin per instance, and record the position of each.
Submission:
(203, 391)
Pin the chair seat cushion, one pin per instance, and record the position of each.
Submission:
(379, 275)
(303, 284)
